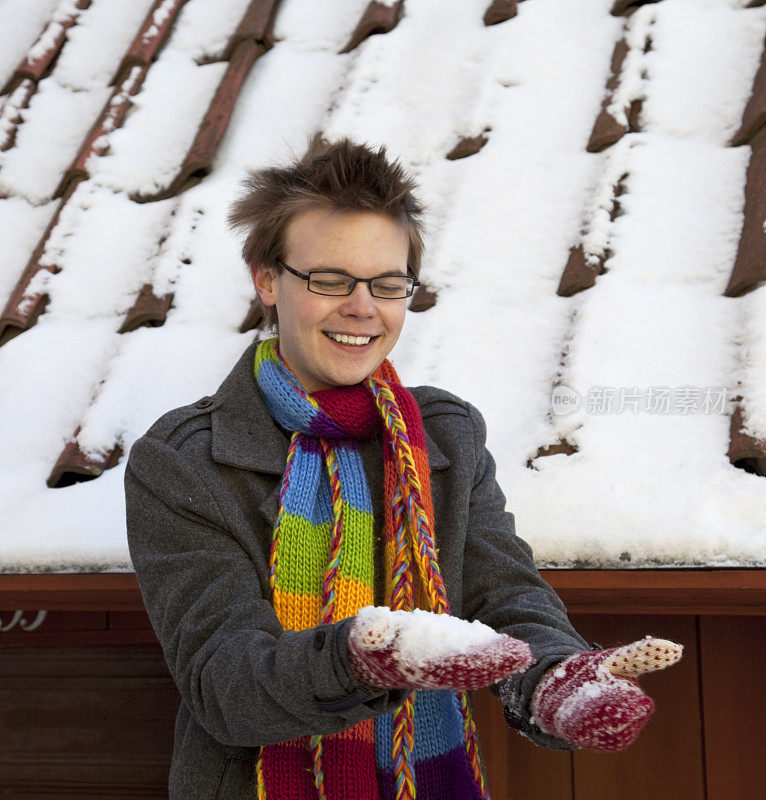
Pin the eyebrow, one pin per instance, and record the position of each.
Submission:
(388, 274)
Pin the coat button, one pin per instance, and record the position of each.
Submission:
(205, 402)
(319, 639)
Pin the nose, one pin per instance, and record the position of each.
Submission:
(360, 303)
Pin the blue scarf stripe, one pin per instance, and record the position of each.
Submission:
(430, 742)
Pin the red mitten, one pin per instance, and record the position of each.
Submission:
(593, 699)
(422, 650)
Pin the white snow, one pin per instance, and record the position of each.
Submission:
(643, 489)
(203, 27)
(422, 637)
(21, 22)
(22, 225)
(97, 43)
(56, 122)
(147, 152)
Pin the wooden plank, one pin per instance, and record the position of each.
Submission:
(733, 654)
(660, 591)
(86, 722)
(666, 761)
(517, 769)
(105, 591)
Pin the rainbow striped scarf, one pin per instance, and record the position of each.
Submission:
(321, 570)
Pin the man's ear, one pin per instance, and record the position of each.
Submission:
(266, 283)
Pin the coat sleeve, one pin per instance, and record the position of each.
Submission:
(247, 681)
(503, 589)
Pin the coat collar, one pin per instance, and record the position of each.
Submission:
(243, 432)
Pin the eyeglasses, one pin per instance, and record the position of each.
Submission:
(336, 284)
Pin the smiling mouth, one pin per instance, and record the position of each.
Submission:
(343, 338)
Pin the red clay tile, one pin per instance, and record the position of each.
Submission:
(150, 38)
(148, 310)
(754, 116)
(257, 25)
(750, 264)
(377, 18)
(607, 130)
(500, 11)
(624, 8)
(12, 320)
(562, 446)
(745, 451)
(423, 298)
(467, 147)
(10, 118)
(110, 118)
(254, 316)
(580, 273)
(34, 67)
(199, 159)
(73, 466)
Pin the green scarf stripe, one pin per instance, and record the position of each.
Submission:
(303, 559)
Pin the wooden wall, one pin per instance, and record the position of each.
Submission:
(87, 709)
(705, 740)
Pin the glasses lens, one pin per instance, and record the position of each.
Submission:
(392, 287)
(330, 283)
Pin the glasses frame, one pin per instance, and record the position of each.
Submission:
(307, 277)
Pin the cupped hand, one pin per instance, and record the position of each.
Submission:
(423, 650)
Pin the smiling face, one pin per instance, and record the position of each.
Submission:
(361, 244)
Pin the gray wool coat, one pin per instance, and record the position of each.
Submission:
(202, 490)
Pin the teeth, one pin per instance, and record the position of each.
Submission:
(342, 337)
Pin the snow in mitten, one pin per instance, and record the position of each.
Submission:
(593, 699)
(423, 650)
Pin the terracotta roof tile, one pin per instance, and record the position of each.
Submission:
(151, 293)
(745, 451)
(750, 264)
(608, 128)
(582, 269)
(43, 53)
(754, 116)
(627, 7)
(257, 25)
(500, 10)
(199, 158)
(559, 447)
(74, 466)
(24, 307)
(10, 118)
(423, 298)
(147, 310)
(377, 18)
(253, 317)
(467, 146)
(150, 38)
(110, 118)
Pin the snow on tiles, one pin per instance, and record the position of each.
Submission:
(96, 44)
(203, 27)
(146, 153)
(643, 487)
(55, 124)
(20, 25)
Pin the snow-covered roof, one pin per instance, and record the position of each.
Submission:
(595, 174)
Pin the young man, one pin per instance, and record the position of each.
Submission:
(325, 555)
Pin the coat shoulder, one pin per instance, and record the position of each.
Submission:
(176, 425)
(434, 402)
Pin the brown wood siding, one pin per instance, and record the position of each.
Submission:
(87, 707)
